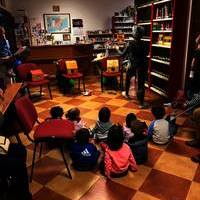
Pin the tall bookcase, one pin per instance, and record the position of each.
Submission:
(99, 38)
(122, 23)
(165, 35)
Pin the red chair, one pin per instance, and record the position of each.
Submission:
(27, 115)
(56, 129)
(68, 69)
(111, 67)
(53, 130)
(23, 72)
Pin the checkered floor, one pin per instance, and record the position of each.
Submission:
(169, 173)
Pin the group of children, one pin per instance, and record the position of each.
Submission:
(121, 147)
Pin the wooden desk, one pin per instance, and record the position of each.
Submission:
(45, 56)
(9, 96)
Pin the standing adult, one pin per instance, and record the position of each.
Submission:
(5, 56)
(137, 53)
(195, 70)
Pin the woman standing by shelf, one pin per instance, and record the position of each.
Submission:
(137, 54)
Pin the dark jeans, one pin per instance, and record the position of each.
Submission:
(113, 175)
(141, 76)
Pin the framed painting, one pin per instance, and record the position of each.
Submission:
(57, 23)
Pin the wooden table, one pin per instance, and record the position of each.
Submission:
(9, 96)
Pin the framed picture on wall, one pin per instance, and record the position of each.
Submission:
(66, 37)
(57, 23)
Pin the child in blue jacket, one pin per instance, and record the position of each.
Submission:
(84, 154)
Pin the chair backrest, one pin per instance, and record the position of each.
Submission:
(24, 69)
(112, 65)
(71, 66)
(111, 62)
(61, 67)
(67, 66)
(55, 128)
(26, 113)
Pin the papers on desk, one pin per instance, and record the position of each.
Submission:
(99, 57)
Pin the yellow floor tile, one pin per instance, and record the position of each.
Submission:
(30, 157)
(91, 115)
(194, 192)
(91, 105)
(75, 188)
(124, 111)
(176, 165)
(134, 179)
(143, 196)
(35, 187)
(62, 99)
(117, 102)
(66, 107)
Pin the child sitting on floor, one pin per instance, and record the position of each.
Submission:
(138, 143)
(130, 118)
(100, 131)
(56, 112)
(84, 154)
(118, 156)
(159, 128)
(73, 115)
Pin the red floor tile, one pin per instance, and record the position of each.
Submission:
(108, 190)
(84, 110)
(112, 108)
(179, 147)
(153, 156)
(117, 119)
(47, 104)
(46, 193)
(197, 175)
(44, 114)
(145, 115)
(74, 102)
(101, 99)
(165, 186)
(46, 169)
(131, 105)
(45, 149)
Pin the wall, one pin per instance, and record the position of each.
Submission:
(95, 14)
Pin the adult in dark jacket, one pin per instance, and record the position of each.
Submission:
(137, 54)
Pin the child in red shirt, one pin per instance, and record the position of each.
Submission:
(118, 155)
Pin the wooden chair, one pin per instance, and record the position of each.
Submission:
(23, 72)
(111, 68)
(68, 69)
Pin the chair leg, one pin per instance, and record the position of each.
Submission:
(83, 84)
(29, 93)
(66, 165)
(49, 91)
(18, 139)
(79, 83)
(40, 90)
(101, 83)
(41, 146)
(33, 161)
(29, 138)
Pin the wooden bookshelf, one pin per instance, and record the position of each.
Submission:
(98, 39)
(166, 30)
(123, 23)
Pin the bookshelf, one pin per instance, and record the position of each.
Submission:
(162, 23)
(122, 24)
(98, 39)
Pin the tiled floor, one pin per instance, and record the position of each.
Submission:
(169, 174)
